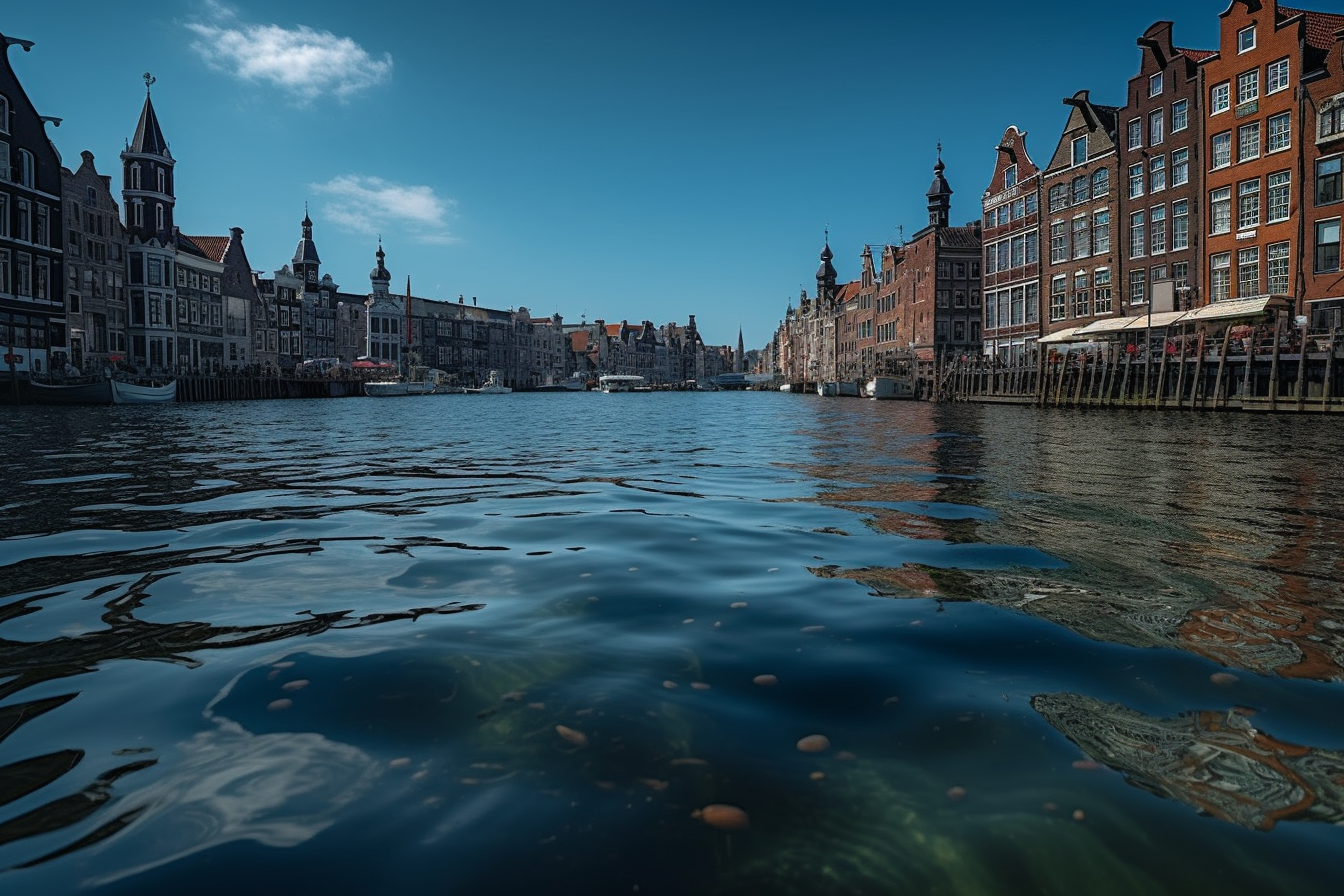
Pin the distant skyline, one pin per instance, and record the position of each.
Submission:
(616, 160)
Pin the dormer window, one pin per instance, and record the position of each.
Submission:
(1246, 39)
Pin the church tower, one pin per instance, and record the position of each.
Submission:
(306, 262)
(940, 195)
(826, 276)
(148, 198)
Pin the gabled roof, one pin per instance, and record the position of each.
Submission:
(848, 291)
(1321, 26)
(960, 237)
(213, 248)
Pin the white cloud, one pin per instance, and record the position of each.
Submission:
(302, 61)
(372, 205)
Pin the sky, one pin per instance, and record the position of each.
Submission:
(637, 160)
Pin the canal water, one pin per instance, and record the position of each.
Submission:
(743, 643)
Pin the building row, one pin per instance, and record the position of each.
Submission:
(89, 281)
(1219, 179)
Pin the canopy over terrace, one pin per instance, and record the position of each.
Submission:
(1252, 307)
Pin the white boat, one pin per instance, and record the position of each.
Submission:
(575, 382)
(785, 387)
(386, 388)
(620, 382)
(882, 388)
(494, 385)
(153, 392)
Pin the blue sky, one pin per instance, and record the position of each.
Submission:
(622, 160)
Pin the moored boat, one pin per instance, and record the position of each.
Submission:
(103, 390)
(620, 382)
(142, 392)
(385, 388)
(881, 388)
(493, 385)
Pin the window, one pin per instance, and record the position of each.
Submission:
(1019, 209)
(1079, 150)
(1180, 115)
(4, 270)
(4, 161)
(1138, 286)
(162, 180)
(1276, 76)
(1327, 246)
(1276, 257)
(1180, 167)
(1220, 210)
(1059, 197)
(1328, 180)
(1018, 251)
(26, 169)
(1221, 155)
(1155, 127)
(1033, 300)
(1248, 272)
(1080, 189)
(1278, 186)
(1220, 276)
(1280, 132)
(1157, 230)
(1135, 180)
(1329, 123)
(1033, 249)
(1246, 39)
(1009, 176)
(1155, 84)
(1082, 237)
(4, 117)
(1157, 174)
(24, 233)
(1180, 224)
(1058, 309)
(1137, 235)
(1031, 203)
(1219, 96)
(1101, 183)
(1134, 130)
(1248, 204)
(1082, 300)
(1059, 242)
(1101, 232)
(1248, 141)
(1248, 86)
(1101, 295)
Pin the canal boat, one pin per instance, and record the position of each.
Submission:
(575, 382)
(620, 382)
(493, 385)
(103, 390)
(882, 388)
(143, 391)
(386, 388)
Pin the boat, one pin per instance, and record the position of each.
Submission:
(494, 385)
(828, 389)
(620, 382)
(386, 388)
(575, 382)
(142, 392)
(881, 388)
(103, 390)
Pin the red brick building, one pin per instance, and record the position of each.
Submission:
(1322, 199)
(1012, 251)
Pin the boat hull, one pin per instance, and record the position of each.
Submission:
(889, 388)
(141, 393)
(97, 392)
(385, 389)
(621, 383)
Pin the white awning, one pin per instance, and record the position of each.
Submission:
(1064, 335)
(1237, 308)
(1156, 321)
(1105, 325)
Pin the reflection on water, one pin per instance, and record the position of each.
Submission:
(378, 640)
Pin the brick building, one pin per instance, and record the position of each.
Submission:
(1160, 156)
(1321, 199)
(1082, 206)
(1012, 262)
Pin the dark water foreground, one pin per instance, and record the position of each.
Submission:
(513, 644)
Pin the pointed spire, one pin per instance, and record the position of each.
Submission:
(940, 194)
(306, 253)
(148, 137)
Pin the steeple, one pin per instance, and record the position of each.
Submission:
(939, 195)
(147, 178)
(826, 275)
(379, 277)
(306, 253)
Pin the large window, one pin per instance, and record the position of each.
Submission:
(1157, 230)
(1082, 237)
(1101, 294)
(1220, 210)
(1079, 150)
(1155, 129)
(1277, 258)
(1059, 242)
(1180, 115)
(1079, 189)
(1135, 180)
(1059, 197)
(1280, 132)
(1246, 39)
(1101, 232)
(1279, 186)
(1058, 308)
(1137, 235)
(1220, 276)
(1138, 287)
(1180, 224)
(1330, 120)
(1155, 84)
(1248, 204)
(1276, 76)
(1327, 246)
(1328, 180)
(1248, 272)
(1134, 133)
(1220, 156)
(1219, 98)
(1082, 300)
(1101, 183)
(1157, 174)
(1248, 141)
(1248, 86)
(1180, 167)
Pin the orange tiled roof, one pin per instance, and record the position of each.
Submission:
(847, 291)
(213, 247)
(578, 340)
(1321, 26)
(1196, 55)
